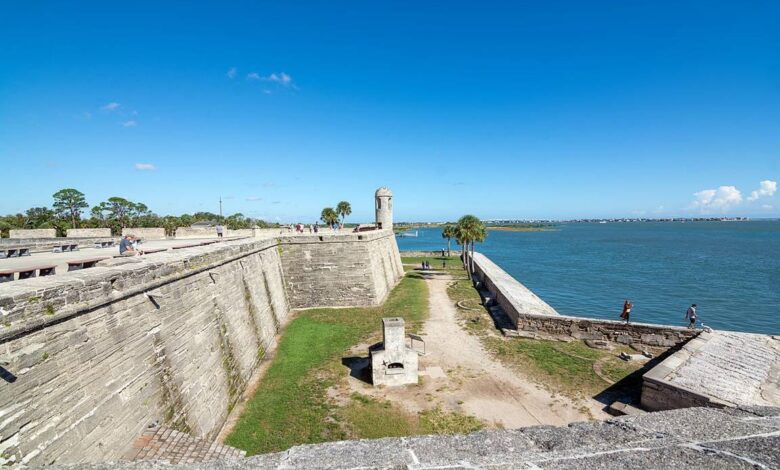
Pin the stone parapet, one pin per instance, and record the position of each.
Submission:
(33, 233)
(513, 297)
(695, 438)
(145, 233)
(88, 232)
(530, 313)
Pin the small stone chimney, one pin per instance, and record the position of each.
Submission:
(393, 363)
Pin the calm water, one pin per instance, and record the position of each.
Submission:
(730, 269)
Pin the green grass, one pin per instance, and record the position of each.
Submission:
(291, 406)
(565, 367)
(453, 262)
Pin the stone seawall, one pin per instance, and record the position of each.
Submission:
(340, 270)
(88, 359)
(530, 313)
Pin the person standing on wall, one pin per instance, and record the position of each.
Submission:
(220, 230)
(626, 314)
(690, 314)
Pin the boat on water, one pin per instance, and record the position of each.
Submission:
(409, 234)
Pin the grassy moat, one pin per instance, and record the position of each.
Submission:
(304, 396)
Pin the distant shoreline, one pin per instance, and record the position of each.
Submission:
(522, 229)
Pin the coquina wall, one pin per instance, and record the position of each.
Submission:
(340, 270)
(530, 313)
(90, 358)
(88, 232)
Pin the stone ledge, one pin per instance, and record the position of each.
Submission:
(690, 438)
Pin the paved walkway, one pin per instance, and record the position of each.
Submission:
(161, 443)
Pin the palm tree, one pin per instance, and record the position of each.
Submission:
(469, 230)
(448, 232)
(343, 209)
(329, 216)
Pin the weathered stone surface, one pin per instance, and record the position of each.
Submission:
(32, 233)
(719, 368)
(88, 232)
(340, 270)
(145, 233)
(90, 358)
(693, 438)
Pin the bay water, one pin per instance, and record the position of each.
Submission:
(731, 270)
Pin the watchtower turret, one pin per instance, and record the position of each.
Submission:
(384, 209)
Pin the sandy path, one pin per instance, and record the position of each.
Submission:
(460, 375)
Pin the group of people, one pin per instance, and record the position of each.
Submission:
(690, 314)
(300, 228)
(129, 246)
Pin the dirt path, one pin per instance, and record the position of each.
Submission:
(459, 374)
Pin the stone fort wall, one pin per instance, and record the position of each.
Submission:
(89, 359)
(530, 313)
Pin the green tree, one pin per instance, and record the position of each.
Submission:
(39, 217)
(469, 230)
(68, 203)
(343, 209)
(448, 232)
(329, 216)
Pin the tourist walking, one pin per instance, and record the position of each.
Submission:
(316, 227)
(626, 314)
(220, 230)
(690, 314)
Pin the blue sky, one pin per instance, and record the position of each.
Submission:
(502, 109)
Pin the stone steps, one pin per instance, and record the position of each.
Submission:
(166, 444)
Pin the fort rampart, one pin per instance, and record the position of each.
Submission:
(90, 358)
(530, 313)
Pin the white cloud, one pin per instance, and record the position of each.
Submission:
(231, 73)
(112, 106)
(280, 78)
(254, 198)
(130, 123)
(717, 200)
(145, 167)
(767, 207)
(766, 189)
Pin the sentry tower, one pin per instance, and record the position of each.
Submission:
(384, 209)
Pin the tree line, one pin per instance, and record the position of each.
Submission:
(69, 206)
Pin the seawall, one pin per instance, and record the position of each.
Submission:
(90, 358)
(530, 313)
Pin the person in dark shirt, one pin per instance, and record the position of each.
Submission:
(126, 246)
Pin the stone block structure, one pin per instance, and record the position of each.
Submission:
(145, 233)
(528, 312)
(716, 369)
(384, 209)
(340, 270)
(90, 358)
(88, 232)
(33, 233)
(393, 363)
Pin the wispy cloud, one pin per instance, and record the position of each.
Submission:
(767, 207)
(112, 106)
(281, 79)
(766, 188)
(130, 123)
(232, 72)
(254, 198)
(145, 167)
